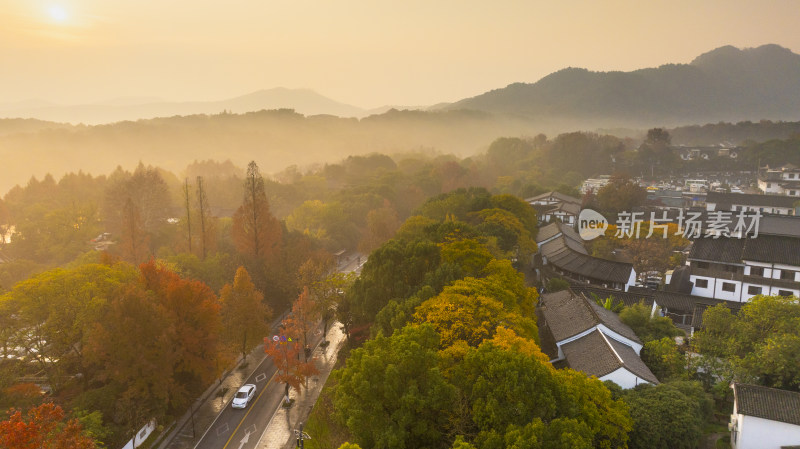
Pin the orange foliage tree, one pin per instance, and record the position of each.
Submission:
(43, 427)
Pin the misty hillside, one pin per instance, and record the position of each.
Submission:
(726, 84)
(274, 139)
(304, 101)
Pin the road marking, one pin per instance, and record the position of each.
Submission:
(244, 440)
(261, 377)
(250, 429)
(222, 429)
(252, 406)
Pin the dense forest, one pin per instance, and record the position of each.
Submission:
(99, 273)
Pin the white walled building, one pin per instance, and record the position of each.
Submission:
(766, 204)
(734, 269)
(780, 181)
(591, 339)
(764, 418)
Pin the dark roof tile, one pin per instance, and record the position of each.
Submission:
(767, 403)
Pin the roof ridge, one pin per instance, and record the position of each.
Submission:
(619, 358)
(594, 313)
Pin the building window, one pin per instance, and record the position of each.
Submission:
(757, 271)
(787, 275)
(728, 287)
(785, 293)
(731, 268)
(702, 265)
(701, 283)
(753, 290)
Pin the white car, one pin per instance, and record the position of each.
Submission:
(243, 396)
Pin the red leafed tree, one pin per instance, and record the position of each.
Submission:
(285, 354)
(304, 317)
(42, 427)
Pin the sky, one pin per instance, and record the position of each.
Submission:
(368, 53)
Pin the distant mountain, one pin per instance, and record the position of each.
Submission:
(303, 101)
(726, 84)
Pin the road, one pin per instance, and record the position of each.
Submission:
(242, 428)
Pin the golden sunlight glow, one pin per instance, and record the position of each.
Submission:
(58, 13)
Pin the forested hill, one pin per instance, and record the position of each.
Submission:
(726, 84)
(275, 139)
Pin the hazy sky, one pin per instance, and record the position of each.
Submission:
(364, 52)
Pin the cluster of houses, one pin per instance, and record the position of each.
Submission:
(728, 267)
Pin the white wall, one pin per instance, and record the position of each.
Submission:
(758, 433)
(624, 378)
(707, 292)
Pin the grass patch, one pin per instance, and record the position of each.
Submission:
(724, 442)
(325, 431)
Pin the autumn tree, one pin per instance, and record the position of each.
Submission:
(244, 315)
(156, 346)
(134, 242)
(43, 427)
(255, 231)
(285, 355)
(303, 319)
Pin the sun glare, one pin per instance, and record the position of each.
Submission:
(58, 13)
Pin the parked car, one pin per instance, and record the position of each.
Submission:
(243, 396)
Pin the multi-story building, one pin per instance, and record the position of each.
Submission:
(736, 269)
(556, 206)
(765, 204)
(783, 180)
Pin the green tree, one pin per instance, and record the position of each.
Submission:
(667, 416)
(621, 194)
(664, 359)
(645, 325)
(760, 344)
(391, 393)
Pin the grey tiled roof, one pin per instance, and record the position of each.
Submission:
(568, 253)
(725, 200)
(556, 195)
(763, 248)
(547, 232)
(632, 361)
(772, 249)
(567, 314)
(724, 250)
(767, 403)
(597, 355)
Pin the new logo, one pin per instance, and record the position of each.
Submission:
(591, 224)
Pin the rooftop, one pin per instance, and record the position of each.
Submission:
(767, 403)
(597, 355)
(724, 201)
(569, 314)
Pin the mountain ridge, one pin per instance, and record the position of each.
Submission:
(724, 84)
